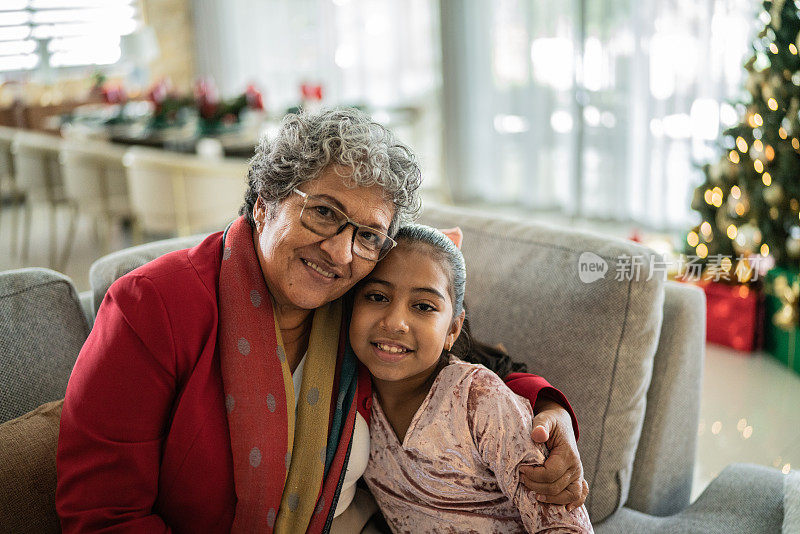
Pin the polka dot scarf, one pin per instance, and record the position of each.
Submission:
(280, 487)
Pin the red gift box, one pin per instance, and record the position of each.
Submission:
(734, 315)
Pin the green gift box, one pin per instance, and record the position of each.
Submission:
(782, 328)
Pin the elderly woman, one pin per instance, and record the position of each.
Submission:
(214, 394)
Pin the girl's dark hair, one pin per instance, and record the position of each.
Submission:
(495, 358)
(447, 252)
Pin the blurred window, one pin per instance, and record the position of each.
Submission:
(63, 33)
(594, 108)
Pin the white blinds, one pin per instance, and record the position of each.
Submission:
(63, 33)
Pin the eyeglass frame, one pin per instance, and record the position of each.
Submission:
(347, 222)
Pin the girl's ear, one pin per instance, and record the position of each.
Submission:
(455, 330)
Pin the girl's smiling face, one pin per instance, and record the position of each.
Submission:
(403, 314)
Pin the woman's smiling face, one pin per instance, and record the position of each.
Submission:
(403, 315)
(302, 269)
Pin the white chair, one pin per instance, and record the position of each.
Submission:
(11, 196)
(95, 184)
(181, 194)
(38, 174)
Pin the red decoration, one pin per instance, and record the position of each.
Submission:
(734, 315)
(311, 91)
(254, 98)
(207, 98)
(635, 236)
(158, 93)
(113, 94)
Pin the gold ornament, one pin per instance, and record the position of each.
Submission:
(748, 239)
(697, 199)
(793, 247)
(786, 316)
(793, 107)
(775, 13)
(773, 194)
(715, 173)
(744, 271)
(767, 92)
(737, 207)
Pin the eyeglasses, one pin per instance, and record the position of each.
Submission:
(326, 221)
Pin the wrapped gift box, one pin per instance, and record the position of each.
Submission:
(782, 332)
(734, 314)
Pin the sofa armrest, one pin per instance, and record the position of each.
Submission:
(42, 330)
(663, 468)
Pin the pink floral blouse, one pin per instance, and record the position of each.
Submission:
(457, 468)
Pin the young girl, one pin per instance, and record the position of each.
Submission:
(447, 437)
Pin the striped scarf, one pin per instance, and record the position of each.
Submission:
(281, 487)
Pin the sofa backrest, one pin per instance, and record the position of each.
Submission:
(42, 329)
(112, 266)
(594, 341)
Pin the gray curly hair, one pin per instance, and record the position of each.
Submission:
(308, 143)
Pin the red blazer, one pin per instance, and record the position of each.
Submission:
(144, 443)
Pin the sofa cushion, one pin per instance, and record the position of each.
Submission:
(28, 471)
(42, 329)
(593, 340)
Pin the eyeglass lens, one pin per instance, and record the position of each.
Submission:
(327, 221)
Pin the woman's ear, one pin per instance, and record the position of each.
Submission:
(259, 213)
(455, 330)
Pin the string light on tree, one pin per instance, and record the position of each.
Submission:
(741, 144)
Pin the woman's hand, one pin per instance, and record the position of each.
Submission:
(560, 480)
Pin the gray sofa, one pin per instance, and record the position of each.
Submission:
(627, 351)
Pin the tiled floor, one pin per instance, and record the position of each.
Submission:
(750, 412)
(750, 409)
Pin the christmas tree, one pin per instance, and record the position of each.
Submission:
(749, 199)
